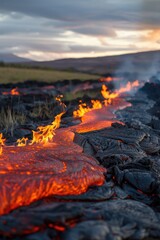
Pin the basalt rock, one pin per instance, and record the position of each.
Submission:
(113, 219)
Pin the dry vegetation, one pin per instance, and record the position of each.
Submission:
(10, 119)
(14, 75)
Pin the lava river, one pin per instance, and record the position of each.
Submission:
(59, 167)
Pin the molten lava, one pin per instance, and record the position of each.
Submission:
(108, 96)
(43, 168)
(33, 172)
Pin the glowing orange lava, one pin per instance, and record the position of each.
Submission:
(32, 172)
(100, 118)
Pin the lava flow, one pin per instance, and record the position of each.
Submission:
(101, 114)
(43, 168)
(40, 167)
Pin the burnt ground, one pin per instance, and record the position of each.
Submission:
(127, 206)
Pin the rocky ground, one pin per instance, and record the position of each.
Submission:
(127, 206)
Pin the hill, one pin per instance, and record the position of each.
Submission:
(135, 62)
(11, 58)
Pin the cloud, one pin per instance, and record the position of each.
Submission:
(69, 26)
(137, 11)
(153, 36)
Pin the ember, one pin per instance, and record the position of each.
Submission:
(14, 91)
(110, 79)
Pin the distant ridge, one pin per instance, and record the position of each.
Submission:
(11, 58)
(140, 61)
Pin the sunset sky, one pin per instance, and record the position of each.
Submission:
(53, 29)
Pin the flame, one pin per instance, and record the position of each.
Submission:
(128, 87)
(14, 91)
(96, 104)
(83, 108)
(45, 134)
(107, 95)
(2, 142)
(110, 79)
(22, 142)
(59, 99)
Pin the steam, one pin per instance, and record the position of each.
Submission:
(142, 67)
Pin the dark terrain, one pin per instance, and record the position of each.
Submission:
(145, 63)
(127, 205)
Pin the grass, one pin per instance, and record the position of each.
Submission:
(69, 96)
(14, 75)
(9, 119)
(43, 111)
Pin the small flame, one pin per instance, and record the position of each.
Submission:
(45, 134)
(96, 104)
(15, 91)
(110, 79)
(83, 108)
(129, 87)
(107, 95)
(59, 100)
(2, 143)
(22, 142)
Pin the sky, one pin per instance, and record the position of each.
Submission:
(55, 29)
